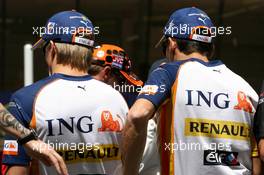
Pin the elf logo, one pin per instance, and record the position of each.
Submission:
(10, 147)
(217, 157)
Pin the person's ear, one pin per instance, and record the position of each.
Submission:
(107, 73)
(48, 54)
(172, 44)
(212, 52)
(171, 49)
(53, 50)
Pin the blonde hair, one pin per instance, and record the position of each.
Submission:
(76, 56)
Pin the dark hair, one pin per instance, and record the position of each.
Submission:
(94, 69)
(189, 46)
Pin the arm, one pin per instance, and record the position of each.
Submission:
(154, 93)
(256, 163)
(35, 148)
(17, 170)
(259, 124)
(10, 125)
(261, 148)
(134, 135)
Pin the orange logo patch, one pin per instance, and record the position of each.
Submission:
(10, 147)
(243, 103)
(109, 124)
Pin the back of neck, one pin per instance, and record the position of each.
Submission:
(181, 57)
(67, 70)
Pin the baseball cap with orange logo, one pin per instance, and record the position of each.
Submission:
(116, 58)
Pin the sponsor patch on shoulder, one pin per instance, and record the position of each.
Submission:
(10, 147)
(149, 89)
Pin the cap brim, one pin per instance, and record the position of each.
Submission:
(39, 44)
(132, 78)
(160, 41)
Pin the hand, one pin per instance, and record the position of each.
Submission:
(45, 153)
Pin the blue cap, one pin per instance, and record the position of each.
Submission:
(68, 27)
(189, 23)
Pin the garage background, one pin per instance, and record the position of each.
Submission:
(136, 25)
